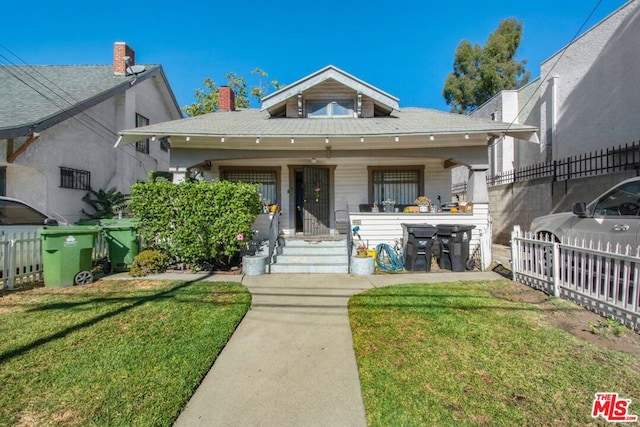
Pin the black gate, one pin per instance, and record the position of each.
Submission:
(316, 201)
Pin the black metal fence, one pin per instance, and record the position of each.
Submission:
(616, 159)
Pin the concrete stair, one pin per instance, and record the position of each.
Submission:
(311, 255)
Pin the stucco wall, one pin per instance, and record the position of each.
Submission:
(517, 204)
(520, 203)
(598, 87)
(85, 142)
(566, 193)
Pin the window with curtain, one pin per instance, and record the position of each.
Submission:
(400, 185)
(267, 180)
(337, 108)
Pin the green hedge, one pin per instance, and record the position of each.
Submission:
(196, 222)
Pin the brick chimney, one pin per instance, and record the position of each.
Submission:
(120, 51)
(226, 99)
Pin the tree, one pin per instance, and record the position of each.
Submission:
(479, 73)
(207, 100)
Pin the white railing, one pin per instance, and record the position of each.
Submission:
(602, 277)
(21, 258)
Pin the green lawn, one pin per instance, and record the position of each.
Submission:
(453, 354)
(114, 353)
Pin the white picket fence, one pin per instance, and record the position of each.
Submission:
(601, 277)
(21, 258)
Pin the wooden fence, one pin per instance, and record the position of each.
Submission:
(21, 258)
(600, 277)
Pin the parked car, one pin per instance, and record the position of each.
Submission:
(17, 216)
(17, 219)
(613, 217)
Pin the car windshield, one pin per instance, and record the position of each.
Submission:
(16, 213)
(622, 200)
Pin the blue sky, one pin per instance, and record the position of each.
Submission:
(405, 48)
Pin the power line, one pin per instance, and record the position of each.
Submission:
(9, 69)
(562, 52)
(45, 86)
(53, 101)
(21, 69)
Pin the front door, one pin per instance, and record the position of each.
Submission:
(315, 209)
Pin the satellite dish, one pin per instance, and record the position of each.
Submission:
(136, 69)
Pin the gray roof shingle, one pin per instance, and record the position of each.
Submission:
(253, 123)
(35, 97)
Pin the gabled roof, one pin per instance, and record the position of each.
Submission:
(37, 97)
(381, 99)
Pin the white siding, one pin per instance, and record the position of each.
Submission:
(350, 180)
(376, 228)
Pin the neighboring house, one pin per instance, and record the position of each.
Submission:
(586, 98)
(330, 143)
(58, 125)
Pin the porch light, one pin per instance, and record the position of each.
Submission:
(466, 136)
(258, 140)
(222, 139)
(313, 160)
(362, 139)
(397, 139)
(326, 140)
(153, 138)
(188, 138)
(293, 140)
(431, 137)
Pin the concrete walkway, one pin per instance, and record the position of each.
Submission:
(291, 360)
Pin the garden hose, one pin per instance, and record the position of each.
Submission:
(387, 258)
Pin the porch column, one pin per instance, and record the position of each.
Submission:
(477, 191)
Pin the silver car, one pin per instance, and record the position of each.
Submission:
(18, 221)
(613, 217)
(16, 216)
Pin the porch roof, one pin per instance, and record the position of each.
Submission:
(411, 125)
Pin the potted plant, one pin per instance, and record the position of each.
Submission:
(388, 205)
(423, 203)
(361, 250)
(362, 263)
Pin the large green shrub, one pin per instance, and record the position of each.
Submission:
(196, 222)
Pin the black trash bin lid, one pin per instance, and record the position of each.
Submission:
(420, 230)
(446, 229)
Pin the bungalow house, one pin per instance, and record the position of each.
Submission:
(329, 146)
(58, 123)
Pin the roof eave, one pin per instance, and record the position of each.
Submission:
(62, 115)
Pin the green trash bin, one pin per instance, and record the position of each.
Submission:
(124, 243)
(67, 253)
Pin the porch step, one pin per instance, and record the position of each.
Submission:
(311, 256)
